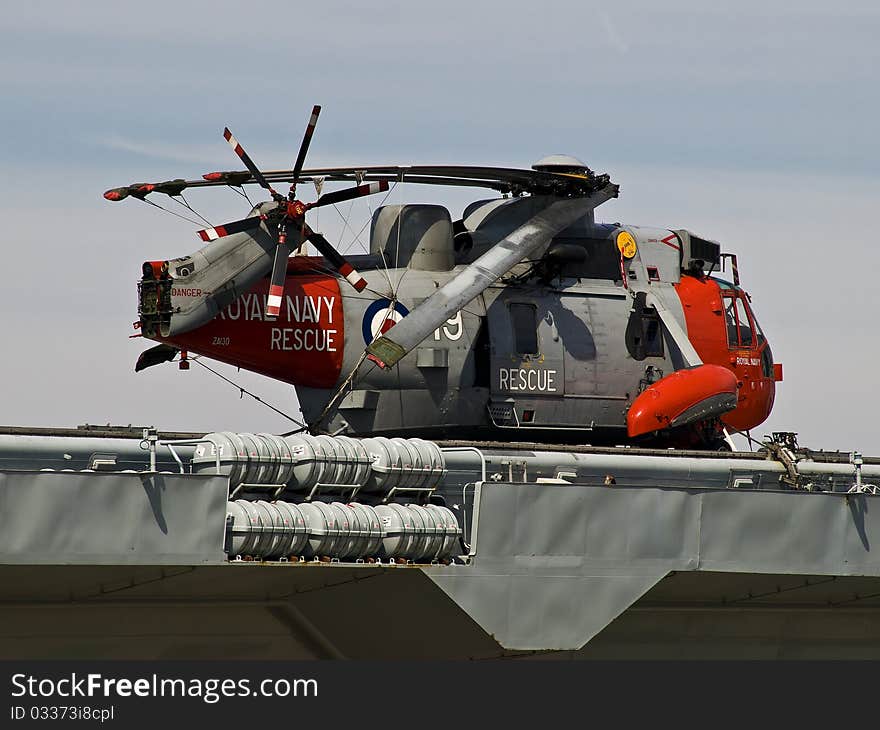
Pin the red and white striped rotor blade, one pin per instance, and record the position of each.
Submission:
(245, 224)
(279, 274)
(336, 259)
(307, 139)
(248, 162)
(340, 196)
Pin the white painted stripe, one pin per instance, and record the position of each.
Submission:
(274, 301)
(233, 142)
(353, 277)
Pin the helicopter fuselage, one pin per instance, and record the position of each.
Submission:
(557, 350)
(522, 319)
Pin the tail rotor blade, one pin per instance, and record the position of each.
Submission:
(307, 139)
(248, 162)
(340, 196)
(246, 224)
(336, 259)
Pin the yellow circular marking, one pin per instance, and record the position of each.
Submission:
(626, 244)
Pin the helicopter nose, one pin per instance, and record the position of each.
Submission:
(757, 376)
(756, 397)
(723, 330)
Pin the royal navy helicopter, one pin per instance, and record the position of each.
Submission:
(525, 319)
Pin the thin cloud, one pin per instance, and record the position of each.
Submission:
(199, 153)
(614, 38)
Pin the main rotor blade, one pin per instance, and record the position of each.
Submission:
(136, 190)
(678, 335)
(340, 196)
(336, 259)
(307, 139)
(470, 283)
(117, 194)
(245, 224)
(279, 274)
(248, 162)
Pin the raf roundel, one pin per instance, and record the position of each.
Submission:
(379, 318)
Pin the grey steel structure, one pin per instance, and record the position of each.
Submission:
(550, 552)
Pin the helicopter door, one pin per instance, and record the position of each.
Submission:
(750, 358)
(527, 373)
(599, 373)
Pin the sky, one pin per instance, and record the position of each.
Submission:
(754, 124)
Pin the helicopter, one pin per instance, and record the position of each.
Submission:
(525, 319)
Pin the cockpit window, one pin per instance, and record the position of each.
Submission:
(759, 333)
(761, 342)
(767, 362)
(746, 338)
(730, 321)
(742, 330)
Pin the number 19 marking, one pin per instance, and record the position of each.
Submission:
(453, 329)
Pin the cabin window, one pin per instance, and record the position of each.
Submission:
(523, 318)
(652, 333)
(482, 356)
(644, 330)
